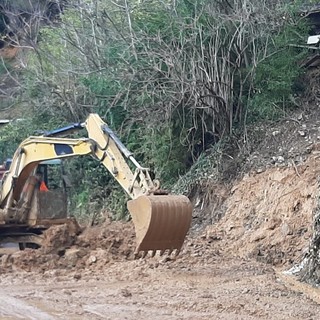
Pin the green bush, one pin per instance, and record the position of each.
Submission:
(274, 84)
(164, 75)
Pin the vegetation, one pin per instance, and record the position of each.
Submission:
(173, 78)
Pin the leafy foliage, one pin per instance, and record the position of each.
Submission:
(172, 78)
(276, 76)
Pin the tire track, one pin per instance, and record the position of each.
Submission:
(13, 308)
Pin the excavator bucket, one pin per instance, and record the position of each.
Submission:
(161, 222)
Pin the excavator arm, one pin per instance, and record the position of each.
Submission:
(161, 221)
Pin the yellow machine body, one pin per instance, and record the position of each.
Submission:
(161, 220)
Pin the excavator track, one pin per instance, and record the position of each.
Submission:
(161, 223)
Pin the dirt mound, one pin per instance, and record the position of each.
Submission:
(269, 215)
(116, 238)
(64, 248)
(266, 211)
(57, 238)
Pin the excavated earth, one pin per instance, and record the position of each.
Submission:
(241, 260)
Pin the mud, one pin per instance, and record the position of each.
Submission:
(236, 268)
(238, 261)
(217, 276)
(195, 286)
(64, 248)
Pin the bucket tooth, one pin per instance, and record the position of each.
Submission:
(170, 251)
(153, 253)
(144, 254)
(161, 221)
(162, 252)
(177, 253)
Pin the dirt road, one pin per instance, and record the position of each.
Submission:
(230, 270)
(218, 288)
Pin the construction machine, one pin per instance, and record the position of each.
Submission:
(161, 220)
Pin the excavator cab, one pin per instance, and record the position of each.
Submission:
(41, 203)
(49, 200)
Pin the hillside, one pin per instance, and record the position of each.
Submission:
(243, 258)
(253, 248)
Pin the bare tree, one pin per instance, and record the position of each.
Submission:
(190, 60)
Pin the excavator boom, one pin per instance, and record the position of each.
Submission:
(161, 221)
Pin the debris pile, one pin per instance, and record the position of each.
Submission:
(65, 249)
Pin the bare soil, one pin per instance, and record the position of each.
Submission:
(204, 282)
(232, 270)
(238, 262)
(219, 288)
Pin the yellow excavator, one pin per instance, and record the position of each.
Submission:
(161, 220)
